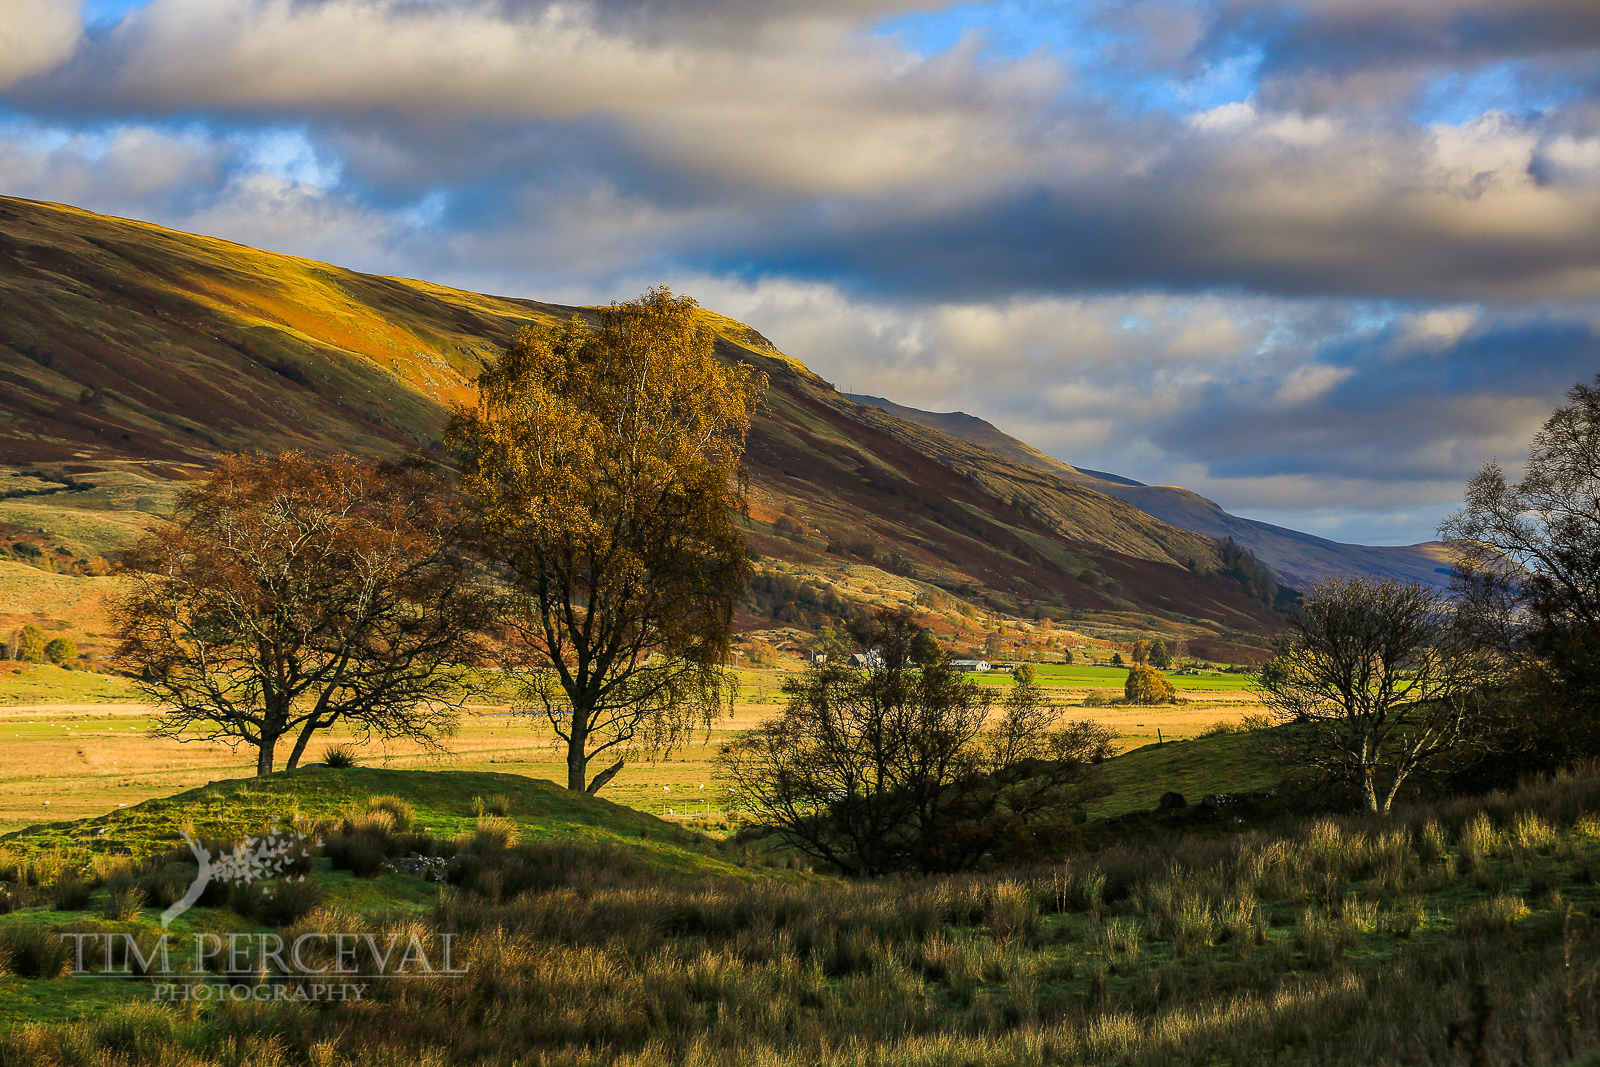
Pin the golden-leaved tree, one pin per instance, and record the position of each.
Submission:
(604, 465)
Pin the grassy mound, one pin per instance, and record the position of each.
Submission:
(445, 804)
(1227, 763)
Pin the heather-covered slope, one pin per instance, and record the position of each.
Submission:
(132, 351)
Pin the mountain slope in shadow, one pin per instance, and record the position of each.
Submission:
(1300, 559)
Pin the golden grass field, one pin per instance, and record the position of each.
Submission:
(74, 744)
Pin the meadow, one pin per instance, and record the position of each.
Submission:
(1461, 932)
(75, 744)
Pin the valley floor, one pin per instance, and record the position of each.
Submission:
(80, 747)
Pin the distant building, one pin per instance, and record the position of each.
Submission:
(813, 656)
(970, 664)
(867, 661)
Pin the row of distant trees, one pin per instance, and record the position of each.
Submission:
(31, 645)
(586, 553)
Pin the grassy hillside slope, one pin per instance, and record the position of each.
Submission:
(132, 355)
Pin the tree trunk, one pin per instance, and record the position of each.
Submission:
(264, 755)
(577, 762)
(300, 744)
(605, 776)
(1369, 789)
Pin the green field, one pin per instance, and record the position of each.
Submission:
(1229, 763)
(1078, 676)
(46, 683)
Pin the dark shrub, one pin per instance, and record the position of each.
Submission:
(166, 884)
(359, 853)
(246, 899)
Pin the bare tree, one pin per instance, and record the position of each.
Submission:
(1380, 677)
(290, 594)
(898, 766)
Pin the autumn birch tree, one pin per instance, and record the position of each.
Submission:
(604, 465)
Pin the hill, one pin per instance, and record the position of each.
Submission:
(1299, 559)
(133, 355)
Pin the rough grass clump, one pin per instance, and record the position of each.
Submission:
(124, 904)
(493, 832)
(361, 854)
(72, 894)
(339, 757)
(402, 813)
(1495, 915)
(493, 804)
(289, 900)
(33, 950)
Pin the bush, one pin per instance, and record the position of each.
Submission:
(1146, 685)
(30, 644)
(60, 650)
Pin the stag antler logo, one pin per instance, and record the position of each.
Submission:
(252, 860)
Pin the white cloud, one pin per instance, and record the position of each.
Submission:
(35, 37)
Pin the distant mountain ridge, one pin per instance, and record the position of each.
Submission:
(1300, 559)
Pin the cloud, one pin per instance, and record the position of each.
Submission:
(1236, 244)
(35, 36)
(1250, 200)
(1333, 54)
(826, 112)
(1274, 408)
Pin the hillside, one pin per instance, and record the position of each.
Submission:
(1299, 559)
(133, 355)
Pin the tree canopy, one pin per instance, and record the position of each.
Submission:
(1381, 678)
(903, 765)
(1529, 573)
(292, 593)
(603, 464)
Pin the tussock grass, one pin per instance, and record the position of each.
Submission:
(1330, 941)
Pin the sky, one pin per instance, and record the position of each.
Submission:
(1319, 261)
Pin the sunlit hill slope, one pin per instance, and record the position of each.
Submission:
(132, 356)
